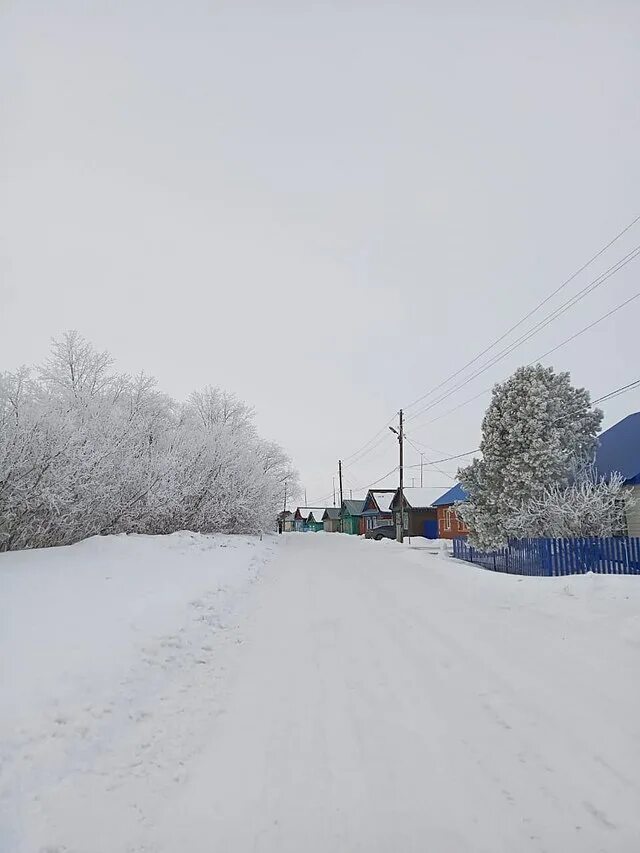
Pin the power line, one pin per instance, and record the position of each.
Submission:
(608, 396)
(535, 329)
(590, 326)
(430, 463)
(616, 392)
(535, 360)
(530, 314)
(377, 439)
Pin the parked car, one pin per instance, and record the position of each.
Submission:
(385, 531)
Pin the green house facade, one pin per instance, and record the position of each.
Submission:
(314, 521)
(350, 513)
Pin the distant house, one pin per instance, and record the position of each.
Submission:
(619, 451)
(331, 519)
(304, 520)
(450, 524)
(420, 518)
(377, 509)
(350, 513)
(285, 521)
(315, 521)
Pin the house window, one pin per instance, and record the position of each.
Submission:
(447, 519)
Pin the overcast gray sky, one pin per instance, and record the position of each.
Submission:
(324, 207)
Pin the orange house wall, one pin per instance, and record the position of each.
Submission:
(458, 527)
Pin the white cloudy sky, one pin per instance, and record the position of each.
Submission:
(324, 207)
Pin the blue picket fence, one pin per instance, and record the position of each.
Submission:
(617, 555)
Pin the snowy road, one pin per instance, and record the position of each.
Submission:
(389, 700)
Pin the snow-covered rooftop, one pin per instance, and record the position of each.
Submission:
(419, 497)
(383, 499)
(305, 512)
(457, 493)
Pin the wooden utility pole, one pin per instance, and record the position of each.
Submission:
(284, 508)
(401, 442)
(340, 478)
(421, 458)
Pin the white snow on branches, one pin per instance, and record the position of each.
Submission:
(537, 430)
(588, 507)
(86, 451)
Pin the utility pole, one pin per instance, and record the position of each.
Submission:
(400, 433)
(351, 494)
(340, 478)
(421, 458)
(305, 497)
(334, 491)
(401, 441)
(284, 508)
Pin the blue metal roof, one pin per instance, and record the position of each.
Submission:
(619, 450)
(457, 493)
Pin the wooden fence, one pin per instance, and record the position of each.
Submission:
(617, 555)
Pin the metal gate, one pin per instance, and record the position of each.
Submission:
(430, 528)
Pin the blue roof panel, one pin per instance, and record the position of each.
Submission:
(457, 493)
(619, 450)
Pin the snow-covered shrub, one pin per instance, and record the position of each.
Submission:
(537, 430)
(84, 451)
(589, 506)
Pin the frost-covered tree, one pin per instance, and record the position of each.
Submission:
(537, 430)
(588, 506)
(85, 451)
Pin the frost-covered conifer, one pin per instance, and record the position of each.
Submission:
(537, 429)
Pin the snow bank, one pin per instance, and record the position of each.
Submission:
(95, 638)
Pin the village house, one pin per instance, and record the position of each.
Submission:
(304, 519)
(377, 509)
(619, 452)
(420, 517)
(285, 521)
(314, 522)
(331, 519)
(350, 513)
(450, 524)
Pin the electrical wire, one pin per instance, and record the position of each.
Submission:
(564, 284)
(535, 360)
(546, 321)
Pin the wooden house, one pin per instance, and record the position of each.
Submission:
(377, 509)
(350, 513)
(450, 524)
(331, 519)
(304, 520)
(420, 518)
(315, 521)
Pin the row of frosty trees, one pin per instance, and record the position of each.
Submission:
(85, 450)
(537, 476)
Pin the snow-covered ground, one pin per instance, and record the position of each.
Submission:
(363, 696)
(112, 655)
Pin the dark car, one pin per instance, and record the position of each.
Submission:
(385, 531)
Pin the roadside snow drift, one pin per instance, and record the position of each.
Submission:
(111, 654)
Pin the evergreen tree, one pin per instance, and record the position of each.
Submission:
(537, 430)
